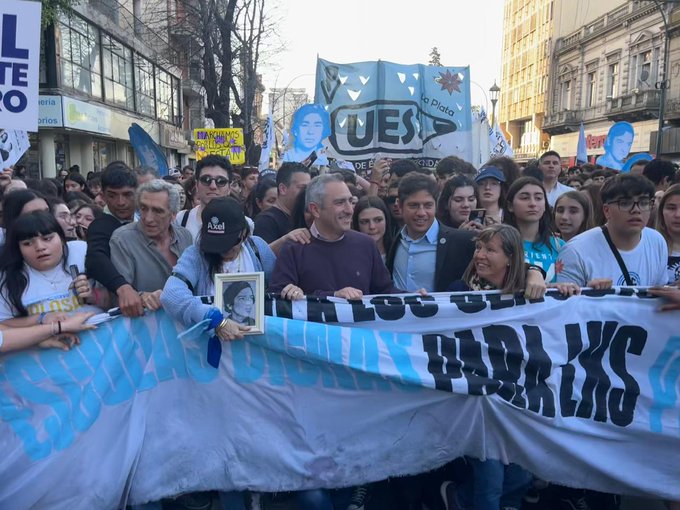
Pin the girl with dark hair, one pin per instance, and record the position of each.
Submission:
(528, 211)
(35, 275)
(249, 178)
(456, 202)
(261, 198)
(84, 215)
(21, 202)
(372, 218)
(75, 182)
(573, 214)
(61, 212)
(593, 191)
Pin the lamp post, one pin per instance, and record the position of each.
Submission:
(494, 91)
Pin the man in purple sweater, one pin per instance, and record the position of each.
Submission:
(338, 261)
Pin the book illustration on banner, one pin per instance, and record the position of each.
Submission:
(617, 145)
(310, 127)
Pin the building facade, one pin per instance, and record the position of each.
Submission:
(606, 70)
(102, 69)
(527, 35)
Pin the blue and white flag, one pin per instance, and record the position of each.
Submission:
(267, 143)
(403, 111)
(498, 144)
(581, 149)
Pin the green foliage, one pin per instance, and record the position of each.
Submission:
(52, 8)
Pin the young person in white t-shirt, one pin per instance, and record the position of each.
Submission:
(35, 276)
(668, 224)
(588, 259)
(550, 165)
(213, 176)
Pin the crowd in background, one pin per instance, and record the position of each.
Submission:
(75, 245)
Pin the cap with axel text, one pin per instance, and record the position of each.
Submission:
(223, 225)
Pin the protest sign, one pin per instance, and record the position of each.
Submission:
(403, 111)
(19, 60)
(581, 391)
(227, 142)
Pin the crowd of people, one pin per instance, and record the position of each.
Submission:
(75, 245)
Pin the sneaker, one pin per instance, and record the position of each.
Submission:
(447, 490)
(575, 503)
(532, 496)
(360, 496)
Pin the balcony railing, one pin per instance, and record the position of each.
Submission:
(638, 105)
(565, 121)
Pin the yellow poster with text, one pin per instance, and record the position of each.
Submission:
(227, 142)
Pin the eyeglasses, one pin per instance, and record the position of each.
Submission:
(207, 180)
(628, 204)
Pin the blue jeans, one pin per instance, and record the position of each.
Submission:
(494, 485)
(314, 499)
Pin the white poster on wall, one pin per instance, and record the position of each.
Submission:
(19, 61)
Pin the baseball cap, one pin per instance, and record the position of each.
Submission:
(223, 225)
(490, 172)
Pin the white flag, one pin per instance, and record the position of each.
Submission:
(267, 143)
(498, 144)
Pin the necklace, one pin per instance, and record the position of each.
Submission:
(234, 266)
(51, 275)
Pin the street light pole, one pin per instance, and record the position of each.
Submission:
(494, 91)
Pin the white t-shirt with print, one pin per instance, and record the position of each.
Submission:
(588, 256)
(48, 291)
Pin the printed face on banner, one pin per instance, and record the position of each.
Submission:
(407, 111)
(310, 127)
(617, 145)
(19, 54)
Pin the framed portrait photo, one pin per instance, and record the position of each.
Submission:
(240, 297)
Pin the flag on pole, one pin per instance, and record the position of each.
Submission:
(581, 150)
(498, 144)
(267, 143)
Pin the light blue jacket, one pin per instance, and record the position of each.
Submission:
(184, 305)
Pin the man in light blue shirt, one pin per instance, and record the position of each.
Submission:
(415, 258)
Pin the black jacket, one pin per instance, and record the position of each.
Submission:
(455, 248)
(98, 263)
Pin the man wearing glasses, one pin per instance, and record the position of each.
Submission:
(213, 176)
(624, 251)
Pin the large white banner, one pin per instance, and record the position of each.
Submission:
(19, 61)
(580, 391)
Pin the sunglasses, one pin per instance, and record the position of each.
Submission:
(207, 180)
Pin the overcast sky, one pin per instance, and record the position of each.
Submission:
(466, 32)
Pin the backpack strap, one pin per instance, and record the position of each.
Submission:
(617, 256)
